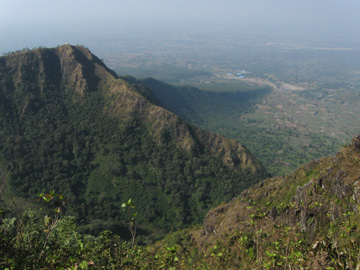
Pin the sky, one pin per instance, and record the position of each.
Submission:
(33, 23)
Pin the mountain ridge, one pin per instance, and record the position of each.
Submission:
(69, 123)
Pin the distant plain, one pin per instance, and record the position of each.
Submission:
(311, 111)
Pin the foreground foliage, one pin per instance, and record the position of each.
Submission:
(32, 243)
(53, 241)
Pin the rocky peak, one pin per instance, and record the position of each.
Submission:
(355, 143)
(77, 68)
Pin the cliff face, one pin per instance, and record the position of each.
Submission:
(69, 123)
(75, 67)
(311, 214)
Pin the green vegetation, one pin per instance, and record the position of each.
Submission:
(54, 242)
(63, 129)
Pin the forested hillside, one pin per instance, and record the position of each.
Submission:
(68, 124)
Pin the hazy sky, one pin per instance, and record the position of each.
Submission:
(25, 23)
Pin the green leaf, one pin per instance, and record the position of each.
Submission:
(83, 265)
(297, 254)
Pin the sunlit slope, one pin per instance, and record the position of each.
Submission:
(308, 219)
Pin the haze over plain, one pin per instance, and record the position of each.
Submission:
(50, 23)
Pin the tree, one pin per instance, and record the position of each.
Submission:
(129, 208)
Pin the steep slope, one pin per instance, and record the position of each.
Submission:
(68, 124)
(308, 219)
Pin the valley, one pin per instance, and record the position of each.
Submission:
(312, 108)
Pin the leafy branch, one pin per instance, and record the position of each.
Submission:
(129, 208)
(51, 222)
